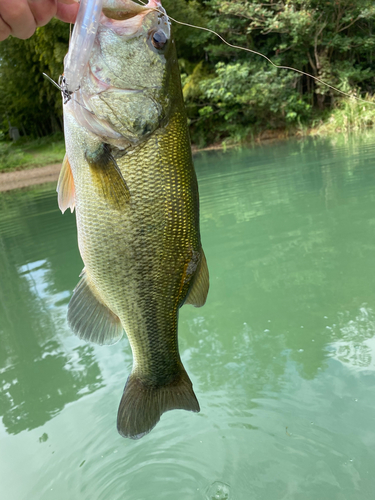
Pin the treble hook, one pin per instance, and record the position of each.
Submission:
(62, 86)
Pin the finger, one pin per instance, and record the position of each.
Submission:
(18, 16)
(67, 13)
(43, 10)
(5, 30)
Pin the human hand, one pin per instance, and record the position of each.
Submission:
(20, 18)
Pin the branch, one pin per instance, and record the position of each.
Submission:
(311, 63)
(348, 26)
(318, 33)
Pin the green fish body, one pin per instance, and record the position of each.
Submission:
(129, 174)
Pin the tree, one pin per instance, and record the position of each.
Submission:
(236, 91)
(228, 92)
(29, 101)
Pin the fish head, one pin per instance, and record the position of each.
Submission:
(126, 91)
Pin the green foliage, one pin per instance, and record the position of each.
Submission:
(29, 101)
(244, 96)
(240, 92)
(12, 158)
(29, 154)
(349, 115)
(190, 42)
(229, 94)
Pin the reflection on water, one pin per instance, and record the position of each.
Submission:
(38, 376)
(355, 344)
(282, 356)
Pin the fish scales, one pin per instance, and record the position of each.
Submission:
(137, 213)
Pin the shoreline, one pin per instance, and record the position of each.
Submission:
(19, 179)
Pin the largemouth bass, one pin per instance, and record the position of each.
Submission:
(128, 172)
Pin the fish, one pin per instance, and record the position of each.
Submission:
(128, 173)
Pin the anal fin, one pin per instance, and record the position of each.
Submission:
(90, 319)
(198, 292)
(108, 176)
(65, 187)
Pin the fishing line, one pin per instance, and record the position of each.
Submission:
(67, 94)
(261, 55)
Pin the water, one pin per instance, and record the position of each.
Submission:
(282, 356)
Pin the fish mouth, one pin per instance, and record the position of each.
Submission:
(125, 17)
(122, 10)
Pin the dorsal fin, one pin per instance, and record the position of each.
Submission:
(65, 187)
(198, 293)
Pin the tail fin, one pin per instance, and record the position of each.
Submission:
(142, 405)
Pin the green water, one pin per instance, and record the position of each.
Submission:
(282, 356)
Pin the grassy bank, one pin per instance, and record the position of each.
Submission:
(349, 115)
(26, 153)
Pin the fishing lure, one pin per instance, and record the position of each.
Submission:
(85, 29)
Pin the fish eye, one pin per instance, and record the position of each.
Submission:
(159, 39)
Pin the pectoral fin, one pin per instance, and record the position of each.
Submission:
(198, 292)
(65, 187)
(108, 177)
(89, 318)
